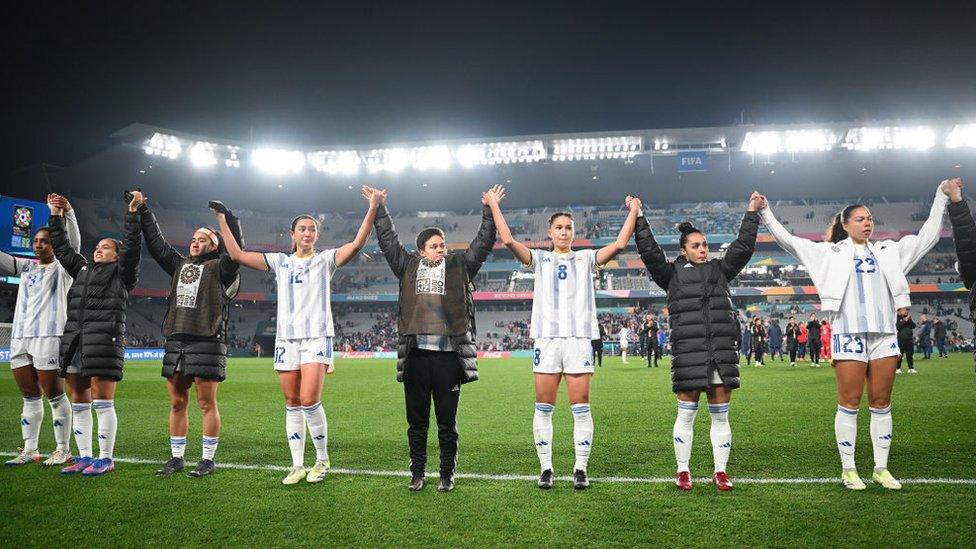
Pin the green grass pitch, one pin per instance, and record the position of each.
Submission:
(782, 422)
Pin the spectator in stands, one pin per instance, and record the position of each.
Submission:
(775, 334)
(704, 329)
(906, 340)
(436, 351)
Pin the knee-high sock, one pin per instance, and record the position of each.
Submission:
(721, 435)
(108, 425)
(295, 431)
(542, 430)
(845, 429)
(210, 447)
(30, 421)
(81, 425)
(582, 434)
(177, 446)
(683, 433)
(881, 436)
(61, 416)
(318, 429)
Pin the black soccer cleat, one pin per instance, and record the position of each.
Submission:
(545, 479)
(204, 468)
(174, 465)
(580, 481)
(417, 482)
(446, 484)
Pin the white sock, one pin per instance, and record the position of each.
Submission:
(542, 429)
(623, 356)
(295, 431)
(210, 447)
(30, 422)
(318, 429)
(81, 424)
(61, 414)
(108, 425)
(177, 446)
(845, 429)
(721, 434)
(881, 436)
(683, 433)
(582, 434)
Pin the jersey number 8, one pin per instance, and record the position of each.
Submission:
(561, 274)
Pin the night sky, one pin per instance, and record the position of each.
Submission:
(358, 74)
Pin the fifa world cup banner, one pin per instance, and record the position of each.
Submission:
(4, 354)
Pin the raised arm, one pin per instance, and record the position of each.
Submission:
(131, 247)
(386, 236)
(347, 251)
(56, 201)
(911, 248)
(800, 248)
(483, 242)
(742, 248)
(652, 255)
(71, 260)
(12, 266)
(963, 237)
(166, 256)
(493, 198)
(611, 250)
(254, 260)
(229, 269)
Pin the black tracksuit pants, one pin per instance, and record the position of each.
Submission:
(907, 349)
(437, 374)
(597, 351)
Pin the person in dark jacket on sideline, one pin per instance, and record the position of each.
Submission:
(939, 332)
(814, 342)
(792, 339)
(93, 344)
(704, 331)
(436, 352)
(195, 327)
(598, 347)
(757, 338)
(925, 337)
(964, 239)
(649, 334)
(775, 334)
(906, 340)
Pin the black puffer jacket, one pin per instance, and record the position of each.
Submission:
(402, 261)
(705, 329)
(964, 237)
(97, 302)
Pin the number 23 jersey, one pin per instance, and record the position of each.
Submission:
(304, 293)
(867, 306)
(563, 300)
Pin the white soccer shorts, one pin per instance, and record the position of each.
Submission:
(290, 354)
(41, 352)
(562, 355)
(863, 347)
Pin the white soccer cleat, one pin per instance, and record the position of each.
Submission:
(329, 369)
(884, 478)
(57, 457)
(912, 371)
(295, 475)
(898, 371)
(318, 471)
(852, 481)
(23, 458)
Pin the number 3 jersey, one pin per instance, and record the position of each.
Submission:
(563, 300)
(867, 306)
(304, 294)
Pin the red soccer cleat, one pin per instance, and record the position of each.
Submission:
(721, 481)
(683, 481)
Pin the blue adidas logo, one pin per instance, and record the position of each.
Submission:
(77, 431)
(847, 444)
(886, 437)
(542, 443)
(24, 421)
(726, 445)
(320, 353)
(57, 423)
(319, 437)
(587, 363)
(295, 436)
(547, 260)
(678, 440)
(584, 443)
(102, 437)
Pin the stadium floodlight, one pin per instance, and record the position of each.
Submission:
(790, 141)
(471, 155)
(387, 160)
(335, 162)
(161, 144)
(890, 137)
(202, 155)
(661, 145)
(762, 143)
(233, 159)
(591, 148)
(435, 157)
(278, 161)
(962, 135)
(512, 152)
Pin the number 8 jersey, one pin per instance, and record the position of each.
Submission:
(563, 300)
(867, 306)
(304, 294)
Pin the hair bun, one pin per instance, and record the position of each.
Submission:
(686, 227)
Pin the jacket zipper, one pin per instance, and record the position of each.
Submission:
(706, 300)
(81, 319)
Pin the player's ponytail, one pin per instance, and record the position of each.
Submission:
(835, 231)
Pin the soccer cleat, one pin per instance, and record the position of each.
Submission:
(852, 481)
(898, 371)
(545, 479)
(99, 467)
(78, 465)
(417, 482)
(580, 480)
(204, 467)
(446, 484)
(813, 364)
(329, 369)
(721, 481)
(683, 480)
(884, 478)
(57, 457)
(174, 465)
(295, 475)
(318, 471)
(23, 458)
(792, 364)
(912, 371)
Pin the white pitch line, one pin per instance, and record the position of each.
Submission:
(531, 478)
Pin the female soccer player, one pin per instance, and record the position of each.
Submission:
(825, 340)
(705, 330)
(39, 318)
(303, 341)
(563, 323)
(861, 283)
(92, 348)
(195, 328)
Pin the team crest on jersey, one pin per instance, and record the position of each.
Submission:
(430, 277)
(188, 286)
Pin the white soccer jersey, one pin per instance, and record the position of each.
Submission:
(624, 334)
(41, 309)
(563, 298)
(867, 306)
(304, 294)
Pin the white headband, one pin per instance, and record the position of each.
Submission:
(211, 234)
